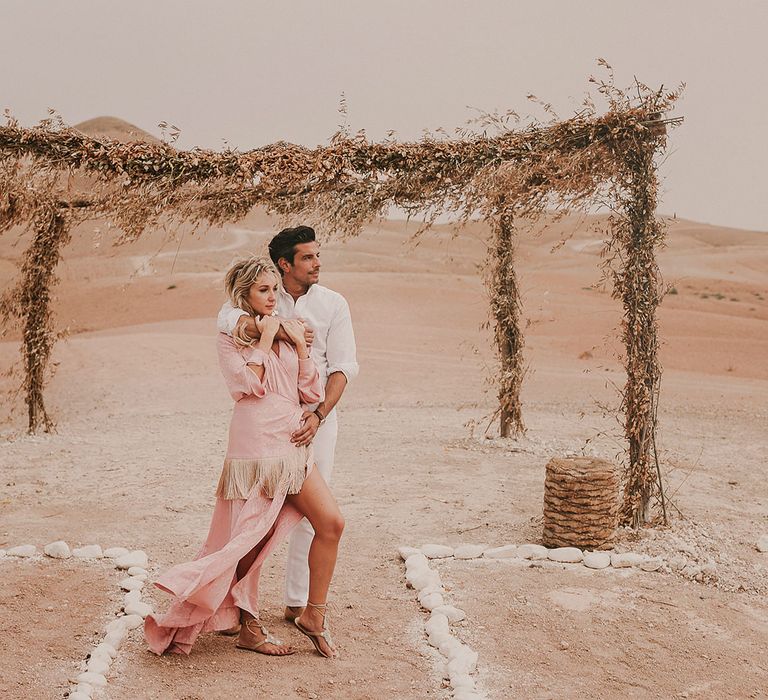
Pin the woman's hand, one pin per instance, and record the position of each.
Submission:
(294, 329)
(269, 325)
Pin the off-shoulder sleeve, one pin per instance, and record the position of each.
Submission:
(239, 378)
(310, 387)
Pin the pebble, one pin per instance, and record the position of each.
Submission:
(462, 659)
(78, 695)
(97, 665)
(94, 679)
(469, 551)
(57, 550)
(23, 550)
(597, 560)
(115, 552)
(90, 551)
(532, 551)
(453, 614)
(134, 558)
(139, 608)
(118, 624)
(132, 583)
(429, 601)
(678, 563)
(84, 688)
(132, 597)
(508, 551)
(762, 544)
(566, 555)
(406, 552)
(115, 639)
(623, 561)
(653, 564)
(133, 621)
(437, 551)
(461, 680)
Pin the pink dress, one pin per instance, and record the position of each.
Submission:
(262, 466)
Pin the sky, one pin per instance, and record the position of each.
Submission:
(247, 73)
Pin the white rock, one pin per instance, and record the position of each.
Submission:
(97, 665)
(597, 560)
(95, 679)
(115, 639)
(466, 694)
(532, 551)
(406, 552)
(566, 555)
(652, 564)
(508, 551)
(461, 680)
(106, 648)
(437, 551)
(116, 625)
(84, 688)
(453, 614)
(23, 550)
(464, 660)
(762, 544)
(416, 559)
(430, 601)
(469, 551)
(423, 580)
(134, 558)
(79, 695)
(133, 621)
(677, 563)
(139, 608)
(132, 597)
(115, 552)
(137, 571)
(101, 654)
(90, 551)
(132, 583)
(623, 561)
(447, 645)
(437, 624)
(57, 550)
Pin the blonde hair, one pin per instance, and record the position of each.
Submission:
(241, 276)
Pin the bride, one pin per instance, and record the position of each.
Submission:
(268, 484)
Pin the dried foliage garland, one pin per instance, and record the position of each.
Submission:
(587, 160)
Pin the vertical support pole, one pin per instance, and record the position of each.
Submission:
(505, 310)
(639, 285)
(34, 304)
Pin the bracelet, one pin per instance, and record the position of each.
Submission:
(319, 415)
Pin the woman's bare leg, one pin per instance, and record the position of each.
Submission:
(250, 632)
(316, 503)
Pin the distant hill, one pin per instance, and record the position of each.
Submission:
(114, 128)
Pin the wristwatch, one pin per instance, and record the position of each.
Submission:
(319, 415)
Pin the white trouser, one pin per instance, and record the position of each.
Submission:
(297, 569)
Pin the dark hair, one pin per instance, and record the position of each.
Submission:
(283, 245)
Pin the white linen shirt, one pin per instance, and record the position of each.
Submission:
(327, 313)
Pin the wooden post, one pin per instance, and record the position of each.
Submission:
(505, 309)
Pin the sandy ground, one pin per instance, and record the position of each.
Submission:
(142, 418)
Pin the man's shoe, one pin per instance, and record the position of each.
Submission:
(291, 612)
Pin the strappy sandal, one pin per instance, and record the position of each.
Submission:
(268, 639)
(314, 637)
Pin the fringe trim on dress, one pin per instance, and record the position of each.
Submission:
(270, 474)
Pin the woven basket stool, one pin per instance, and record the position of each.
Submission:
(581, 505)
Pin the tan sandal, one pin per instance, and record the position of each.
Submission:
(314, 637)
(268, 639)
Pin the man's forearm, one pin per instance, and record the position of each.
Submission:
(334, 388)
(248, 323)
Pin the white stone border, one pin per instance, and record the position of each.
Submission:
(460, 659)
(95, 667)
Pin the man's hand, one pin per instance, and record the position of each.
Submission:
(306, 433)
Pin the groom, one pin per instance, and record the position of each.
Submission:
(296, 254)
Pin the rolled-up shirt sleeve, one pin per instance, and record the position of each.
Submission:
(341, 351)
(228, 318)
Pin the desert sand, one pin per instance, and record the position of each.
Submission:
(142, 416)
